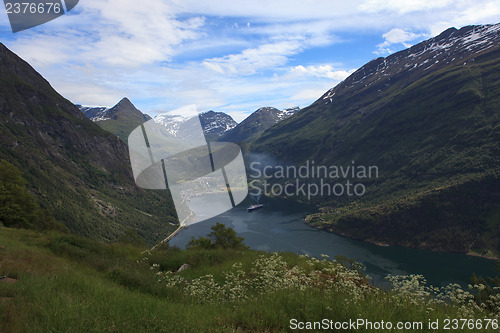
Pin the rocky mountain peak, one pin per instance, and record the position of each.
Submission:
(214, 124)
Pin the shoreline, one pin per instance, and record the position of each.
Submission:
(374, 242)
(482, 256)
(384, 244)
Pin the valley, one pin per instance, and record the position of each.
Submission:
(250, 166)
(428, 118)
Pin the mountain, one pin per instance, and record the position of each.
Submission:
(214, 124)
(255, 124)
(428, 117)
(286, 113)
(76, 170)
(120, 120)
(94, 113)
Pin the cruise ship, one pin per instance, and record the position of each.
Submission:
(254, 207)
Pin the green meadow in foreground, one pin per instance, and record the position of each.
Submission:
(58, 282)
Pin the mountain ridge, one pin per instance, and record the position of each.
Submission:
(428, 117)
(120, 119)
(76, 170)
(214, 124)
(256, 123)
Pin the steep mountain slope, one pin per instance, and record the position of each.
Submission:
(94, 113)
(77, 170)
(214, 124)
(428, 117)
(255, 124)
(120, 120)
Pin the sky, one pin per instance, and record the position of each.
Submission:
(232, 56)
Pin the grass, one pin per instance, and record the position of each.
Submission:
(68, 283)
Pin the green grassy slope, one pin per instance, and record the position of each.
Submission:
(66, 283)
(75, 169)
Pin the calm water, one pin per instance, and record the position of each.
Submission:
(279, 226)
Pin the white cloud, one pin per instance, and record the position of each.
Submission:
(249, 61)
(176, 52)
(466, 13)
(327, 71)
(309, 94)
(116, 33)
(132, 34)
(397, 36)
(403, 6)
(185, 111)
(276, 10)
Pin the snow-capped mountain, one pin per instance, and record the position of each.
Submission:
(214, 124)
(171, 122)
(94, 113)
(120, 120)
(286, 113)
(103, 113)
(451, 47)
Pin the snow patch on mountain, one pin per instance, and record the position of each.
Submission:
(94, 113)
(214, 124)
(171, 122)
(451, 46)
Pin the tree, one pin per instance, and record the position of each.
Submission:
(220, 237)
(17, 206)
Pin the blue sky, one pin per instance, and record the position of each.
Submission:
(231, 56)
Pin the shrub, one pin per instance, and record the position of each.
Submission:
(220, 237)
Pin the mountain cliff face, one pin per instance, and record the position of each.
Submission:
(120, 120)
(214, 124)
(77, 170)
(255, 124)
(428, 117)
(94, 113)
